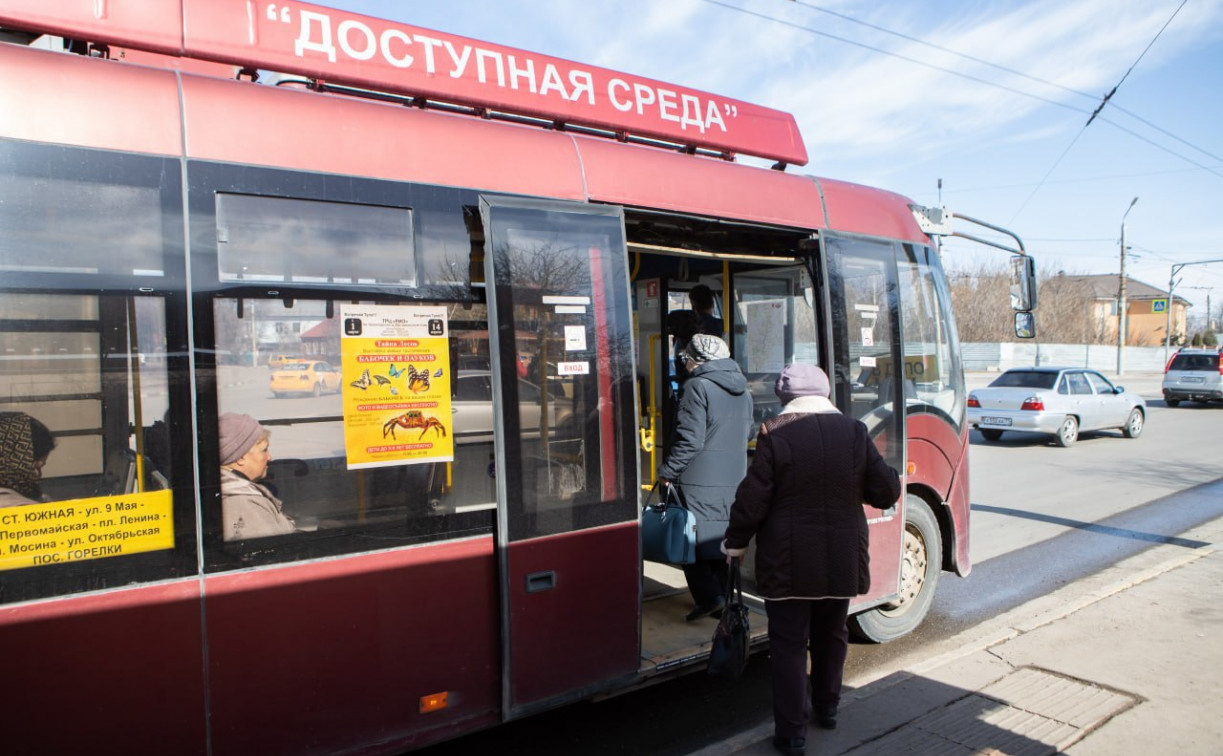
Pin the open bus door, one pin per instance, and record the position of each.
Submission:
(872, 383)
(566, 467)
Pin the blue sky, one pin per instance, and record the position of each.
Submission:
(894, 110)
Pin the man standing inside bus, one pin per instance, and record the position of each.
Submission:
(708, 457)
(701, 297)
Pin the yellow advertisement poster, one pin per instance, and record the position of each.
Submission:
(33, 535)
(396, 389)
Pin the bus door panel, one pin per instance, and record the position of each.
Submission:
(864, 300)
(566, 472)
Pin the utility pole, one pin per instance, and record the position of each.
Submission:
(1176, 267)
(1121, 298)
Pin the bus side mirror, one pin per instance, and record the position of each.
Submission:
(1025, 325)
(1023, 284)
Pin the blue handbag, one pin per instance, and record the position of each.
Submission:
(668, 529)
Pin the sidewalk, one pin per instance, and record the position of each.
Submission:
(1128, 661)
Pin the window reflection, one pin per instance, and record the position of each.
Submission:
(280, 239)
(933, 378)
(774, 327)
(93, 370)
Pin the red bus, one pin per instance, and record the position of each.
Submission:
(439, 271)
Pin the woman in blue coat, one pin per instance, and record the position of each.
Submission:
(708, 458)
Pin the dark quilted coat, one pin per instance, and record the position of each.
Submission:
(802, 500)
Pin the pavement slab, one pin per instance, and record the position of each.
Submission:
(1128, 662)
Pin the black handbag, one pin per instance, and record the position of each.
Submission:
(733, 635)
(668, 529)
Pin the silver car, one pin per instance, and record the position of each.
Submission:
(1194, 375)
(1056, 401)
(472, 407)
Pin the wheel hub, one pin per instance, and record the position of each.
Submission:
(912, 570)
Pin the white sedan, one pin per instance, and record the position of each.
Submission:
(1056, 401)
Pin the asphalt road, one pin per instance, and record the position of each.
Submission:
(1043, 517)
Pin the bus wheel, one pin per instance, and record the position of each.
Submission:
(919, 573)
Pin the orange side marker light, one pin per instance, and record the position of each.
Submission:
(434, 702)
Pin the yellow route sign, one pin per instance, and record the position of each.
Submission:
(34, 535)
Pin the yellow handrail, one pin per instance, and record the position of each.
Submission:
(649, 434)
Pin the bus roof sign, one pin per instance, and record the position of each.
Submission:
(362, 51)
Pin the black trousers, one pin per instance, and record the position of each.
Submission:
(707, 580)
(796, 625)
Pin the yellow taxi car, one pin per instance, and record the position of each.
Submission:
(280, 360)
(304, 377)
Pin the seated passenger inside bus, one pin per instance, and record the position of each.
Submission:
(248, 509)
(25, 444)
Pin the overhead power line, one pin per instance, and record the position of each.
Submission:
(1107, 97)
(986, 82)
(1129, 70)
(1011, 71)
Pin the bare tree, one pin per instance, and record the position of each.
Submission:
(981, 300)
(1064, 315)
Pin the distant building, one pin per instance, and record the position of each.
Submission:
(1146, 309)
(322, 340)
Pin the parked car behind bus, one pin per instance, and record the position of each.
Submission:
(1193, 375)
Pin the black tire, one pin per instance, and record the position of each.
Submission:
(919, 575)
(318, 389)
(990, 434)
(1068, 433)
(1172, 402)
(277, 395)
(1133, 424)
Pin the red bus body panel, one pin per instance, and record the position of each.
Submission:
(931, 440)
(356, 642)
(114, 106)
(667, 180)
(606, 621)
(331, 45)
(334, 134)
(151, 25)
(960, 505)
(865, 210)
(124, 668)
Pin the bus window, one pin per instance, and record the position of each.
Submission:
(309, 241)
(93, 348)
(298, 397)
(93, 370)
(556, 279)
(59, 203)
(285, 253)
(864, 301)
(774, 326)
(931, 350)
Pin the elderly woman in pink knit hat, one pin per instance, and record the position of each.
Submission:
(802, 500)
(248, 509)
